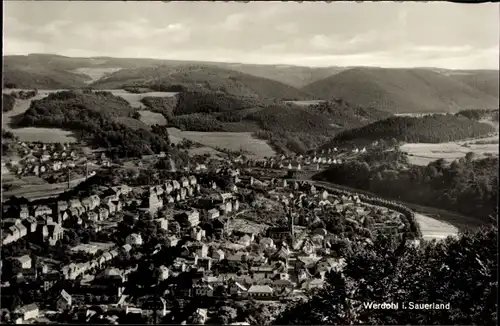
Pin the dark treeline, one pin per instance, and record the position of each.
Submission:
(212, 101)
(466, 186)
(479, 114)
(197, 122)
(162, 105)
(136, 90)
(8, 102)
(24, 95)
(428, 129)
(461, 272)
(346, 115)
(287, 127)
(91, 115)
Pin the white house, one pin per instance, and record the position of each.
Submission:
(64, 301)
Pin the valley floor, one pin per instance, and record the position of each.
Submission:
(423, 154)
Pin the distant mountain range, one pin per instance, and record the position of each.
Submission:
(410, 90)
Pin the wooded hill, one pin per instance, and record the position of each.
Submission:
(410, 90)
(98, 118)
(8, 102)
(295, 76)
(201, 78)
(466, 186)
(436, 128)
(288, 127)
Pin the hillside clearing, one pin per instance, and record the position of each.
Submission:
(95, 73)
(152, 118)
(135, 99)
(423, 154)
(434, 229)
(233, 141)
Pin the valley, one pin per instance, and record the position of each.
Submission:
(169, 157)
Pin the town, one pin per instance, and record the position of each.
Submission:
(234, 232)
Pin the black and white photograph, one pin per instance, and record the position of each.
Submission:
(249, 163)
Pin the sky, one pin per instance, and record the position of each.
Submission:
(386, 34)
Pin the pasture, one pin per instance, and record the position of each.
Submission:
(233, 141)
(434, 229)
(423, 154)
(152, 118)
(305, 103)
(96, 73)
(135, 99)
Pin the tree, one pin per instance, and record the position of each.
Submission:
(469, 157)
(225, 315)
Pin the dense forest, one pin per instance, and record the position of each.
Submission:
(479, 114)
(197, 122)
(84, 113)
(162, 105)
(200, 77)
(427, 129)
(8, 102)
(287, 127)
(461, 272)
(24, 95)
(211, 101)
(466, 186)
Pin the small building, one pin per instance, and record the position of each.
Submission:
(134, 239)
(64, 301)
(212, 213)
(218, 255)
(27, 312)
(260, 291)
(22, 262)
(42, 210)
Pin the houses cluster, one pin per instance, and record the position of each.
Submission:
(37, 159)
(277, 262)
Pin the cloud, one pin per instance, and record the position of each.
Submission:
(289, 33)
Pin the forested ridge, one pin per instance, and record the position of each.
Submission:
(465, 186)
(213, 101)
(94, 117)
(479, 114)
(409, 90)
(287, 127)
(200, 77)
(427, 129)
(460, 272)
(162, 105)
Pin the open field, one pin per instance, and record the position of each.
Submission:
(135, 99)
(423, 154)
(434, 229)
(96, 73)
(152, 118)
(229, 140)
(39, 191)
